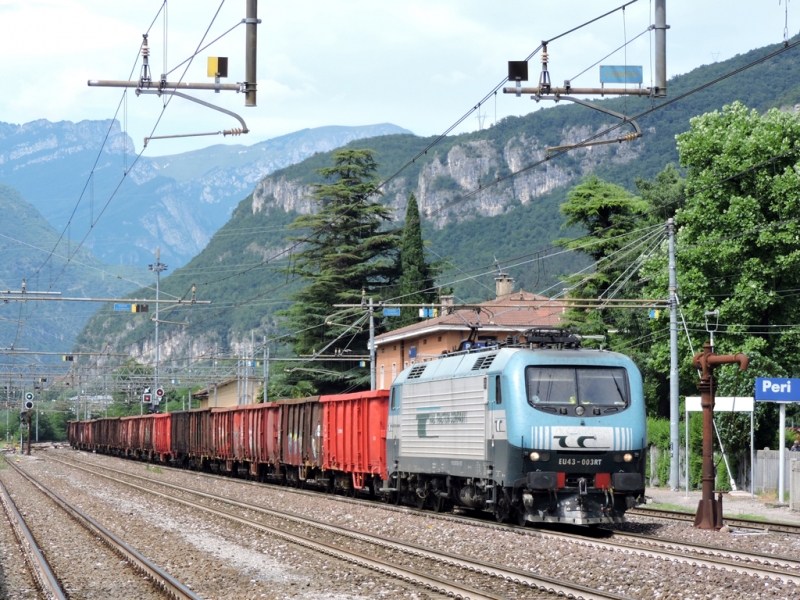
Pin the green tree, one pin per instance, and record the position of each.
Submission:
(738, 249)
(347, 250)
(606, 213)
(417, 276)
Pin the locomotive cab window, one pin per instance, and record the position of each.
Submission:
(586, 386)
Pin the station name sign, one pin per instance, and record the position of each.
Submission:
(774, 389)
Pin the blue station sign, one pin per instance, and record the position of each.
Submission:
(391, 312)
(122, 307)
(775, 389)
(621, 74)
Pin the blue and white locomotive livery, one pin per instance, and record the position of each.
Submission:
(545, 432)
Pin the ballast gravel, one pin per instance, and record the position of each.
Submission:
(16, 582)
(626, 574)
(85, 568)
(213, 557)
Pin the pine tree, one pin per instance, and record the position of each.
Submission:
(347, 249)
(417, 276)
(606, 212)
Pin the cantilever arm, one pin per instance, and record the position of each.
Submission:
(244, 128)
(637, 131)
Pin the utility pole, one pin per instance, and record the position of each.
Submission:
(371, 346)
(674, 387)
(266, 371)
(158, 267)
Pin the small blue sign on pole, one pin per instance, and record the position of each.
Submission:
(391, 312)
(123, 307)
(776, 389)
(621, 74)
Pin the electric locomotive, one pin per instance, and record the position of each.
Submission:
(540, 430)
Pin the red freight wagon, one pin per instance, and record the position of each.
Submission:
(355, 434)
(256, 433)
(301, 432)
(162, 434)
(222, 433)
(129, 434)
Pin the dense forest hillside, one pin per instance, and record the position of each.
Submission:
(516, 218)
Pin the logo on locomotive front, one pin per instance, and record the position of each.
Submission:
(582, 438)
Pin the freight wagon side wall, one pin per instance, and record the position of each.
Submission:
(162, 433)
(354, 432)
(301, 432)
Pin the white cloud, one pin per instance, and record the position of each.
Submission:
(417, 63)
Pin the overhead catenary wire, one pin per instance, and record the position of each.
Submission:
(125, 173)
(702, 87)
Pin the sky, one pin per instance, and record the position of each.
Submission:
(417, 64)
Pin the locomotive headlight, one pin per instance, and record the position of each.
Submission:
(535, 456)
(580, 410)
(628, 457)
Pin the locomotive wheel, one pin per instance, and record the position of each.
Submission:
(397, 497)
(521, 517)
(419, 502)
(438, 503)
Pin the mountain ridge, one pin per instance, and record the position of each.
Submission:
(518, 217)
(175, 201)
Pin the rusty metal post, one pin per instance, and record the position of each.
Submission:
(250, 53)
(709, 510)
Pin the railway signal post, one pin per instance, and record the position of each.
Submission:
(709, 510)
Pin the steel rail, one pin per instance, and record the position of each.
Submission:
(778, 560)
(676, 515)
(40, 569)
(509, 574)
(160, 578)
(741, 562)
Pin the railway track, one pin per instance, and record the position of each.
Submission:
(676, 515)
(38, 566)
(374, 552)
(771, 566)
(162, 581)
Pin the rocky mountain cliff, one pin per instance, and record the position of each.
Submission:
(510, 221)
(176, 202)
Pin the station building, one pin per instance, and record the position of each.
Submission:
(231, 392)
(508, 314)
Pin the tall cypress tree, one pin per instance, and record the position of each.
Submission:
(347, 250)
(417, 276)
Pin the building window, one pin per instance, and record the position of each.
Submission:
(394, 347)
(425, 342)
(383, 350)
(383, 368)
(440, 338)
(394, 371)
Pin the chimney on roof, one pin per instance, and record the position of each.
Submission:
(504, 285)
(447, 303)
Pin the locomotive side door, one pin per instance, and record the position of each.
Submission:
(489, 395)
(393, 428)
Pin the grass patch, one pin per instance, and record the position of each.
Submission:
(156, 470)
(675, 507)
(749, 517)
